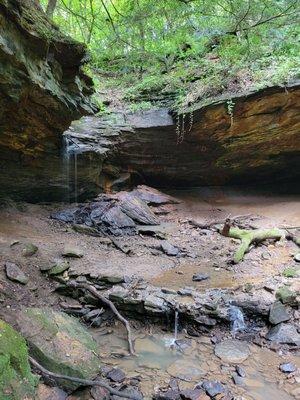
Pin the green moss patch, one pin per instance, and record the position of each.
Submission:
(16, 379)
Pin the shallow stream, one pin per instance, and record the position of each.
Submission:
(192, 360)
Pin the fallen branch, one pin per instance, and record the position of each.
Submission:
(84, 382)
(248, 237)
(111, 305)
(293, 237)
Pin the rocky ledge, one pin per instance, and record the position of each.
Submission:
(42, 89)
(246, 139)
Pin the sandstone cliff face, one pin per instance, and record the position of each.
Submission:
(42, 89)
(258, 141)
(247, 139)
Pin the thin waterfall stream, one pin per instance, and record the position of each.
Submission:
(70, 163)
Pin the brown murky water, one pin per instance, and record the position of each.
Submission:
(194, 360)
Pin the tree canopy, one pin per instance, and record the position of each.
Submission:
(166, 45)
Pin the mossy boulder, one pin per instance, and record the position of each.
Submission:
(60, 343)
(16, 380)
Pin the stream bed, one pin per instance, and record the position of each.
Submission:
(192, 360)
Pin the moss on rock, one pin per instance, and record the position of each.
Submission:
(16, 380)
(60, 343)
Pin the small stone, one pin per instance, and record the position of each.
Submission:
(240, 371)
(45, 392)
(72, 252)
(287, 368)
(200, 277)
(213, 388)
(297, 257)
(232, 351)
(169, 395)
(59, 268)
(278, 313)
(284, 333)
(169, 249)
(238, 380)
(14, 242)
(285, 295)
(193, 394)
(14, 273)
(116, 375)
(99, 393)
(29, 250)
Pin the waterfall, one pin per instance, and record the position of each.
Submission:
(176, 326)
(70, 166)
(236, 317)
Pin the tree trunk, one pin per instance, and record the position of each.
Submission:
(50, 8)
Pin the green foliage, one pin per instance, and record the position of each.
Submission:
(193, 48)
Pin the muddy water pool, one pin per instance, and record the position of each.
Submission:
(191, 361)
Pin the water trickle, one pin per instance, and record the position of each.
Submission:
(176, 326)
(171, 342)
(70, 166)
(236, 317)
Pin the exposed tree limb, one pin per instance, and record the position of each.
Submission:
(111, 305)
(248, 237)
(84, 382)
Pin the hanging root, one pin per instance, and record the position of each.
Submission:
(83, 382)
(111, 305)
(248, 237)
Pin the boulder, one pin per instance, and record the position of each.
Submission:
(284, 333)
(29, 250)
(278, 313)
(60, 344)
(16, 380)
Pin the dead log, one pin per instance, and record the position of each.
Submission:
(247, 237)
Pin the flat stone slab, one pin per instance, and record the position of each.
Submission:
(232, 351)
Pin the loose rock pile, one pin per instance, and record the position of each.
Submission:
(117, 214)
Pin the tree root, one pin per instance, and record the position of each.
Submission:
(111, 305)
(83, 382)
(248, 237)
